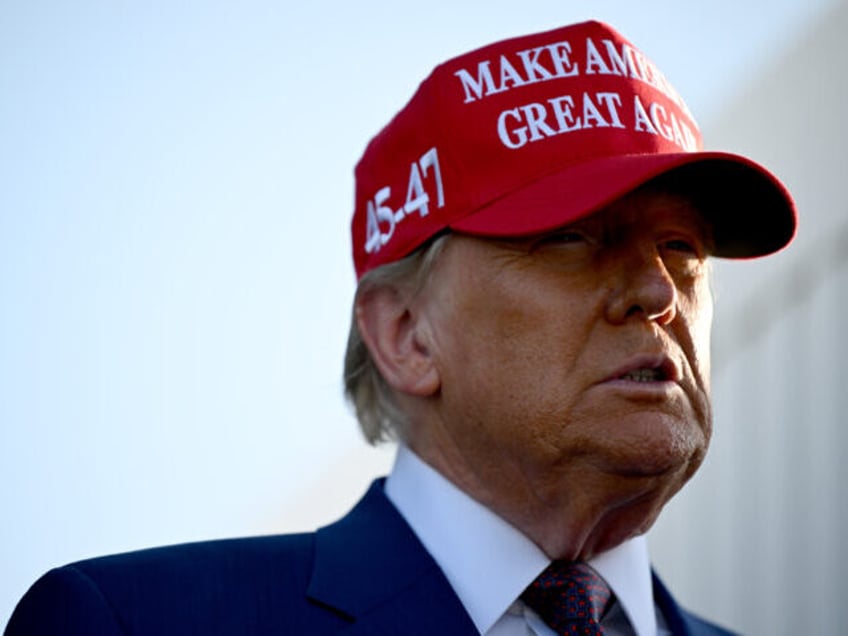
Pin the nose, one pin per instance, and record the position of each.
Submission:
(642, 289)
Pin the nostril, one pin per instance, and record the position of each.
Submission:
(661, 313)
(643, 290)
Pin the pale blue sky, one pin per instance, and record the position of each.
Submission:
(175, 280)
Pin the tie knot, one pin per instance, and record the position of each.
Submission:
(570, 597)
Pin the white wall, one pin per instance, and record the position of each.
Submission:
(758, 540)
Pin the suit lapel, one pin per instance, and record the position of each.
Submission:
(671, 611)
(370, 567)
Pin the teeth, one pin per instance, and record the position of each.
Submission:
(643, 375)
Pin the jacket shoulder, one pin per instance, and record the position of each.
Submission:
(232, 586)
(364, 574)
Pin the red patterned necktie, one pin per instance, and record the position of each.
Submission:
(570, 597)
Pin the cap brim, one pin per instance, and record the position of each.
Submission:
(750, 211)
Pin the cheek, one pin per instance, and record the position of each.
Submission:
(511, 345)
(701, 328)
(695, 325)
(698, 311)
(523, 330)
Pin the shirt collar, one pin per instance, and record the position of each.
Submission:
(627, 570)
(487, 561)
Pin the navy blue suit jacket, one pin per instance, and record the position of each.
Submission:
(365, 574)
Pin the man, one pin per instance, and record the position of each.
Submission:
(531, 235)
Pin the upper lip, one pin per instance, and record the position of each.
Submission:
(669, 371)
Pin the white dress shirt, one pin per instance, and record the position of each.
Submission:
(489, 563)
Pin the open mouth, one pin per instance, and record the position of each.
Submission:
(649, 369)
(645, 375)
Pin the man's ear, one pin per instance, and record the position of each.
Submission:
(396, 337)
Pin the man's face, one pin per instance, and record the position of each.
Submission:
(576, 362)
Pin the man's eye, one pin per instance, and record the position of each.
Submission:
(681, 245)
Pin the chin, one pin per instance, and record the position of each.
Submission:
(656, 448)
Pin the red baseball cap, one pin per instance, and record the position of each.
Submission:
(535, 132)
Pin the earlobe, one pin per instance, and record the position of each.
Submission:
(396, 337)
